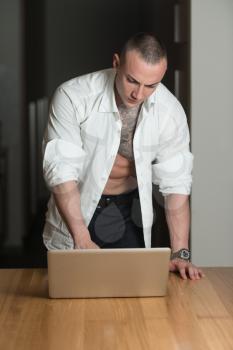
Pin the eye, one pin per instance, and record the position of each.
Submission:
(151, 86)
(130, 80)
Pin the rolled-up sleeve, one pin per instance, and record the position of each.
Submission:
(172, 168)
(63, 153)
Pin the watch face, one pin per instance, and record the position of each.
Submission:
(185, 254)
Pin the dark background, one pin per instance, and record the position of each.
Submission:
(42, 44)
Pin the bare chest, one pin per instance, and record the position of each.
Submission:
(129, 117)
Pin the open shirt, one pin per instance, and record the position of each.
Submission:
(82, 140)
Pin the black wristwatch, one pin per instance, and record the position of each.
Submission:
(183, 254)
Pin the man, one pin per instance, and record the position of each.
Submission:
(110, 135)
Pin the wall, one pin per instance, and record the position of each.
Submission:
(11, 110)
(81, 36)
(212, 126)
(158, 16)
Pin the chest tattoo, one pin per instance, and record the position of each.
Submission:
(129, 117)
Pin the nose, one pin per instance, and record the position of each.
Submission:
(138, 93)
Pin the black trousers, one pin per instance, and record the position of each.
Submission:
(117, 222)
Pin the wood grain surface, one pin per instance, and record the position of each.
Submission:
(194, 315)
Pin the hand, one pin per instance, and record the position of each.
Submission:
(89, 244)
(82, 240)
(186, 269)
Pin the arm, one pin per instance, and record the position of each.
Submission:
(67, 199)
(64, 156)
(178, 220)
(171, 170)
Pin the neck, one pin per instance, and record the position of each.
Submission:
(117, 97)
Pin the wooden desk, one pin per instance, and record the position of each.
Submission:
(195, 315)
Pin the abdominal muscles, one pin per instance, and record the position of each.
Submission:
(122, 177)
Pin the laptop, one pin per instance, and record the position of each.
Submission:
(95, 273)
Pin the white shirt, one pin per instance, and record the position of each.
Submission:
(82, 140)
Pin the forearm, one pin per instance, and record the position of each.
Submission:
(67, 199)
(178, 220)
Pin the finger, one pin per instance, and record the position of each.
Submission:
(93, 245)
(172, 266)
(182, 272)
(197, 274)
(192, 273)
(201, 273)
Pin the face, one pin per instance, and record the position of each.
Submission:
(136, 80)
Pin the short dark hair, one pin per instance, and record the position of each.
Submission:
(150, 48)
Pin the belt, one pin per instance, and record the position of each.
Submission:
(126, 199)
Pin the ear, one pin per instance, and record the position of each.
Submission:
(116, 60)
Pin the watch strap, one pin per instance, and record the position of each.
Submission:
(182, 253)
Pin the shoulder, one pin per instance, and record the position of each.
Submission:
(86, 86)
(164, 96)
(83, 94)
(167, 103)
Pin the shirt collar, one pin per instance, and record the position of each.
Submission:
(150, 100)
(108, 102)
